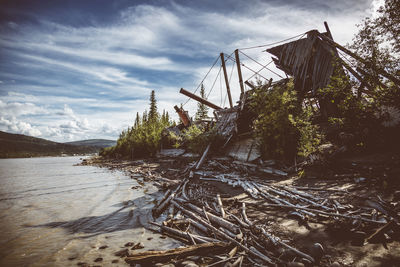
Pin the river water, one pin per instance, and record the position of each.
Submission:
(53, 213)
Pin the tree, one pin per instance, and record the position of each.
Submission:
(153, 114)
(378, 40)
(202, 110)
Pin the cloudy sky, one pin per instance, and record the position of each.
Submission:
(72, 70)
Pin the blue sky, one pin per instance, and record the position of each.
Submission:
(72, 70)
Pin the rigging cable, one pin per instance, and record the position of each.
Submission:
(260, 70)
(259, 46)
(215, 62)
(261, 65)
(212, 87)
(248, 68)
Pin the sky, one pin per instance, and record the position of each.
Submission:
(74, 70)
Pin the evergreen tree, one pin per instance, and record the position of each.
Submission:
(144, 117)
(153, 114)
(137, 121)
(202, 109)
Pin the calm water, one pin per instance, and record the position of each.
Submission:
(53, 213)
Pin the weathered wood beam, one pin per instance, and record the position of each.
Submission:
(200, 249)
(183, 116)
(366, 63)
(239, 70)
(199, 99)
(250, 85)
(226, 80)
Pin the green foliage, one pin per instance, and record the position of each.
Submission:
(144, 138)
(310, 137)
(202, 110)
(153, 114)
(354, 115)
(196, 139)
(378, 40)
(282, 125)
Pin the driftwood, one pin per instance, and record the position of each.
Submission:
(184, 235)
(221, 207)
(163, 205)
(259, 255)
(215, 219)
(274, 239)
(324, 213)
(159, 256)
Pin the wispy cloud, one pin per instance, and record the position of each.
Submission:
(67, 76)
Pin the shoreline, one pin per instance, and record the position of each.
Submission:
(340, 245)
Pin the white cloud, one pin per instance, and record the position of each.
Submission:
(11, 124)
(136, 53)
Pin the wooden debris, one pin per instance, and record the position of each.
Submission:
(160, 256)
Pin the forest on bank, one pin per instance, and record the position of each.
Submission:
(286, 128)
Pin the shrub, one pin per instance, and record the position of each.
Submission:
(282, 125)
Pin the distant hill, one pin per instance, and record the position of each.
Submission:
(100, 143)
(20, 146)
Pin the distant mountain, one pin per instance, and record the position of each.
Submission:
(101, 143)
(20, 146)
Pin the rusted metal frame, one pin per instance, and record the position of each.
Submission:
(199, 99)
(345, 50)
(239, 71)
(226, 80)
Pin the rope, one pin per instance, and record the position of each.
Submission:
(261, 65)
(271, 44)
(260, 70)
(215, 62)
(248, 68)
(212, 87)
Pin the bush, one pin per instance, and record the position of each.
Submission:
(282, 125)
(196, 139)
(143, 139)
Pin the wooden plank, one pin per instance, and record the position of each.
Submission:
(199, 99)
(239, 70)
(226, 79)
(379, 70)
(199, 249)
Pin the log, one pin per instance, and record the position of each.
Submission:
(277, 240)
(377, 236)
(164, 197)
(221, 207)
(159, 256)
(261, 256)
(183, 235)
(203, 157)
(215, 219)
(245, 215)
(324, 213)
(163, 205)
(198, 225)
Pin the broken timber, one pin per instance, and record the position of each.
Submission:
(198, 98)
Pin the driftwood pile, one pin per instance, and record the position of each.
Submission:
(220, 232)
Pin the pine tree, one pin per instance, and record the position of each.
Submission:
(153, 114)
(167, 117)
(202, 109)
(144, 117)
(137, 121)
